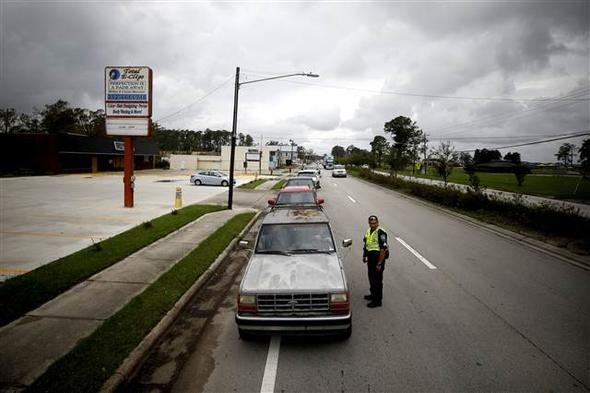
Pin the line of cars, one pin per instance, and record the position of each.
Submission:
(294, 282)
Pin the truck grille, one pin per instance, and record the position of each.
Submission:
(293, 304)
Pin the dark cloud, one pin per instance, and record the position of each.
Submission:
(58, 50)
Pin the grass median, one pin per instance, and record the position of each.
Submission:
(252, 184)
(87, 367)
(278, 185)
(26, 292)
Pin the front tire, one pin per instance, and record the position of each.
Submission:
(244, 335)
(224, 183)
(198, 182)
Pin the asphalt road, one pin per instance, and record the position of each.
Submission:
(466, 310)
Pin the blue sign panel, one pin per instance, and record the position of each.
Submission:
(126, 97)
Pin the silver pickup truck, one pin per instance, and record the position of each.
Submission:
(294, 282)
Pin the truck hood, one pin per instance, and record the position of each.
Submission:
(298, 272)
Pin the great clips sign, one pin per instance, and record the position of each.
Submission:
(128, 91)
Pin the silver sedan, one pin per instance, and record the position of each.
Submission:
(213, 178)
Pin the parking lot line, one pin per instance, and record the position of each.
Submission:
(351, 198)
(416, 253)
(50, 234)
(272, 362)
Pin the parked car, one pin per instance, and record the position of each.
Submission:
(301, 181)
(294, 282)
(296, 196)
(310, 173)
(339, 171)
(213, 178)
(313, 168)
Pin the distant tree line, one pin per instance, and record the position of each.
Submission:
(56, 118)
(187, 141)
(62, 118)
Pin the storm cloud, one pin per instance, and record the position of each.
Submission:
(436, 62)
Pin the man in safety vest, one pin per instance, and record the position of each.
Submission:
(375, 252)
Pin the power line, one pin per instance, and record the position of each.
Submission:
(196, 101)
(508, 116)
(385, 92)
(581, 133)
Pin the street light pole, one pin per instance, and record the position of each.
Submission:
(230, 198)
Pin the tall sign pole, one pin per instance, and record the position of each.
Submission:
(128, 109)
(230, 199)
(128, 178)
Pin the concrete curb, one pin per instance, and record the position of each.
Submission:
(556, 252)
(138, 355)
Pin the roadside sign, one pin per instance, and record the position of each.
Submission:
(128, 91)
(128, 127)
(127, 109)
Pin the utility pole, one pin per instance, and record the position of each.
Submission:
(424, 149)
(230, 198)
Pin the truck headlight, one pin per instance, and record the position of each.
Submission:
(247, 299)
(338, 297)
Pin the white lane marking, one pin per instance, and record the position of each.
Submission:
(351, 198)
(272, 362)
(335, 185)
(420, 257)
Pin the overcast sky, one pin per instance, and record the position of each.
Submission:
(450, 66)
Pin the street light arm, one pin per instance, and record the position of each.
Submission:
(309, 74)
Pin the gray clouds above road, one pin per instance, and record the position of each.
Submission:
(522, 49)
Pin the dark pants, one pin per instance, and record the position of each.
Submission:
(375, 277)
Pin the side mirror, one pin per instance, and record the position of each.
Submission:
(271, 202)
(243, 243)
(320, 201)
(346, 242)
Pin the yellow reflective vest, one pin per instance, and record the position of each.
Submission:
(372, 240)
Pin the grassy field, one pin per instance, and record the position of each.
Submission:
(546, 185)
(97, 357)
(28, 291)
(558, 226)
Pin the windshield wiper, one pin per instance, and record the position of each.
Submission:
(273, 252)
(311, 250)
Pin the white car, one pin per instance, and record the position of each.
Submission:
(212, 178)
(310, 173)
(339, 171)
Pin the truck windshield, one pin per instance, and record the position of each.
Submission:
(295, 238)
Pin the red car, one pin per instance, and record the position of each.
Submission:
(296, 196)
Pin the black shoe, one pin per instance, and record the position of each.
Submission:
(374, 304)
(368, 297)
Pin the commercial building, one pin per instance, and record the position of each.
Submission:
(50, 154)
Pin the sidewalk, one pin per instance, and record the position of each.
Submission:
(34, 342)
(584, 210)
(267, 185)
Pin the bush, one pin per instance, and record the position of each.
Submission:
(549, 218)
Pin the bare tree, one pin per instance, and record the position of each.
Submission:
(446, 157)
(566, 154)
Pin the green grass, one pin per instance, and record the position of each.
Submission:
(28, 291)
(558, 225)
(554, 186)
(278, 185)
(252, 184)
(87, 367)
